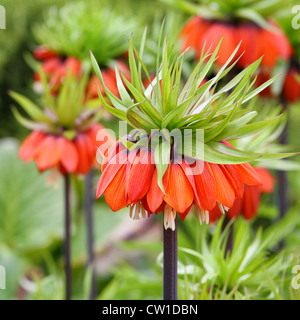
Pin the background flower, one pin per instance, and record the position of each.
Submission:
(64, 133)
(31, 226)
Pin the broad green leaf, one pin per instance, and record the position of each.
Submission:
(32, 220)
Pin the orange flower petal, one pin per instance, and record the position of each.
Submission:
(205, 188)
(155, 196)
(179, 192)
(43, 53)
(236, 209)
(161, 208)
(69, 156)
(267, 179)
(48, 154)
(225, 194)
(291, 86)
(234, 177)
(84, 152)
(114, 150)
(248, 174)
(251, 201)
(190, 172)
(215, 214)
(214, 35)
(185, 213)
(73, 65)
(246, 33)
(110, 171)
(115, 192)
(30, 144)
(51, 65)
(189, 32)
(273, 45)
(192, 34)
(140, 176)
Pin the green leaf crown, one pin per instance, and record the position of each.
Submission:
(167, 104)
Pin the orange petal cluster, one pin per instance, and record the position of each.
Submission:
(129, 178)
(55, 67)
(248, 204)
(256, 41)
(76, 156)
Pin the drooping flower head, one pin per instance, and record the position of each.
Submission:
(64, 131)
(266, 139)
(177, 156)
(248, 22)
(68, 34)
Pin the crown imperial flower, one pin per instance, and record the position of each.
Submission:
(248, 22)
(64, 133)
(177, 155)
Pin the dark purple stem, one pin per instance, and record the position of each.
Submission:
(170, 248)
(67, 240)
(90, 232)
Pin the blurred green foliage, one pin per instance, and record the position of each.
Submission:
(17, 42)
(128, 252)
(205, 271)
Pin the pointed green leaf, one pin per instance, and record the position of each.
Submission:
(122, 90)
(233, 126)
(31, 124)
(162, 160)
(31, 108)
(255, 127)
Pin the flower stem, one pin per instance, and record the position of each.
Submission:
(89, 232)
(170, 249)
(67, 240)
